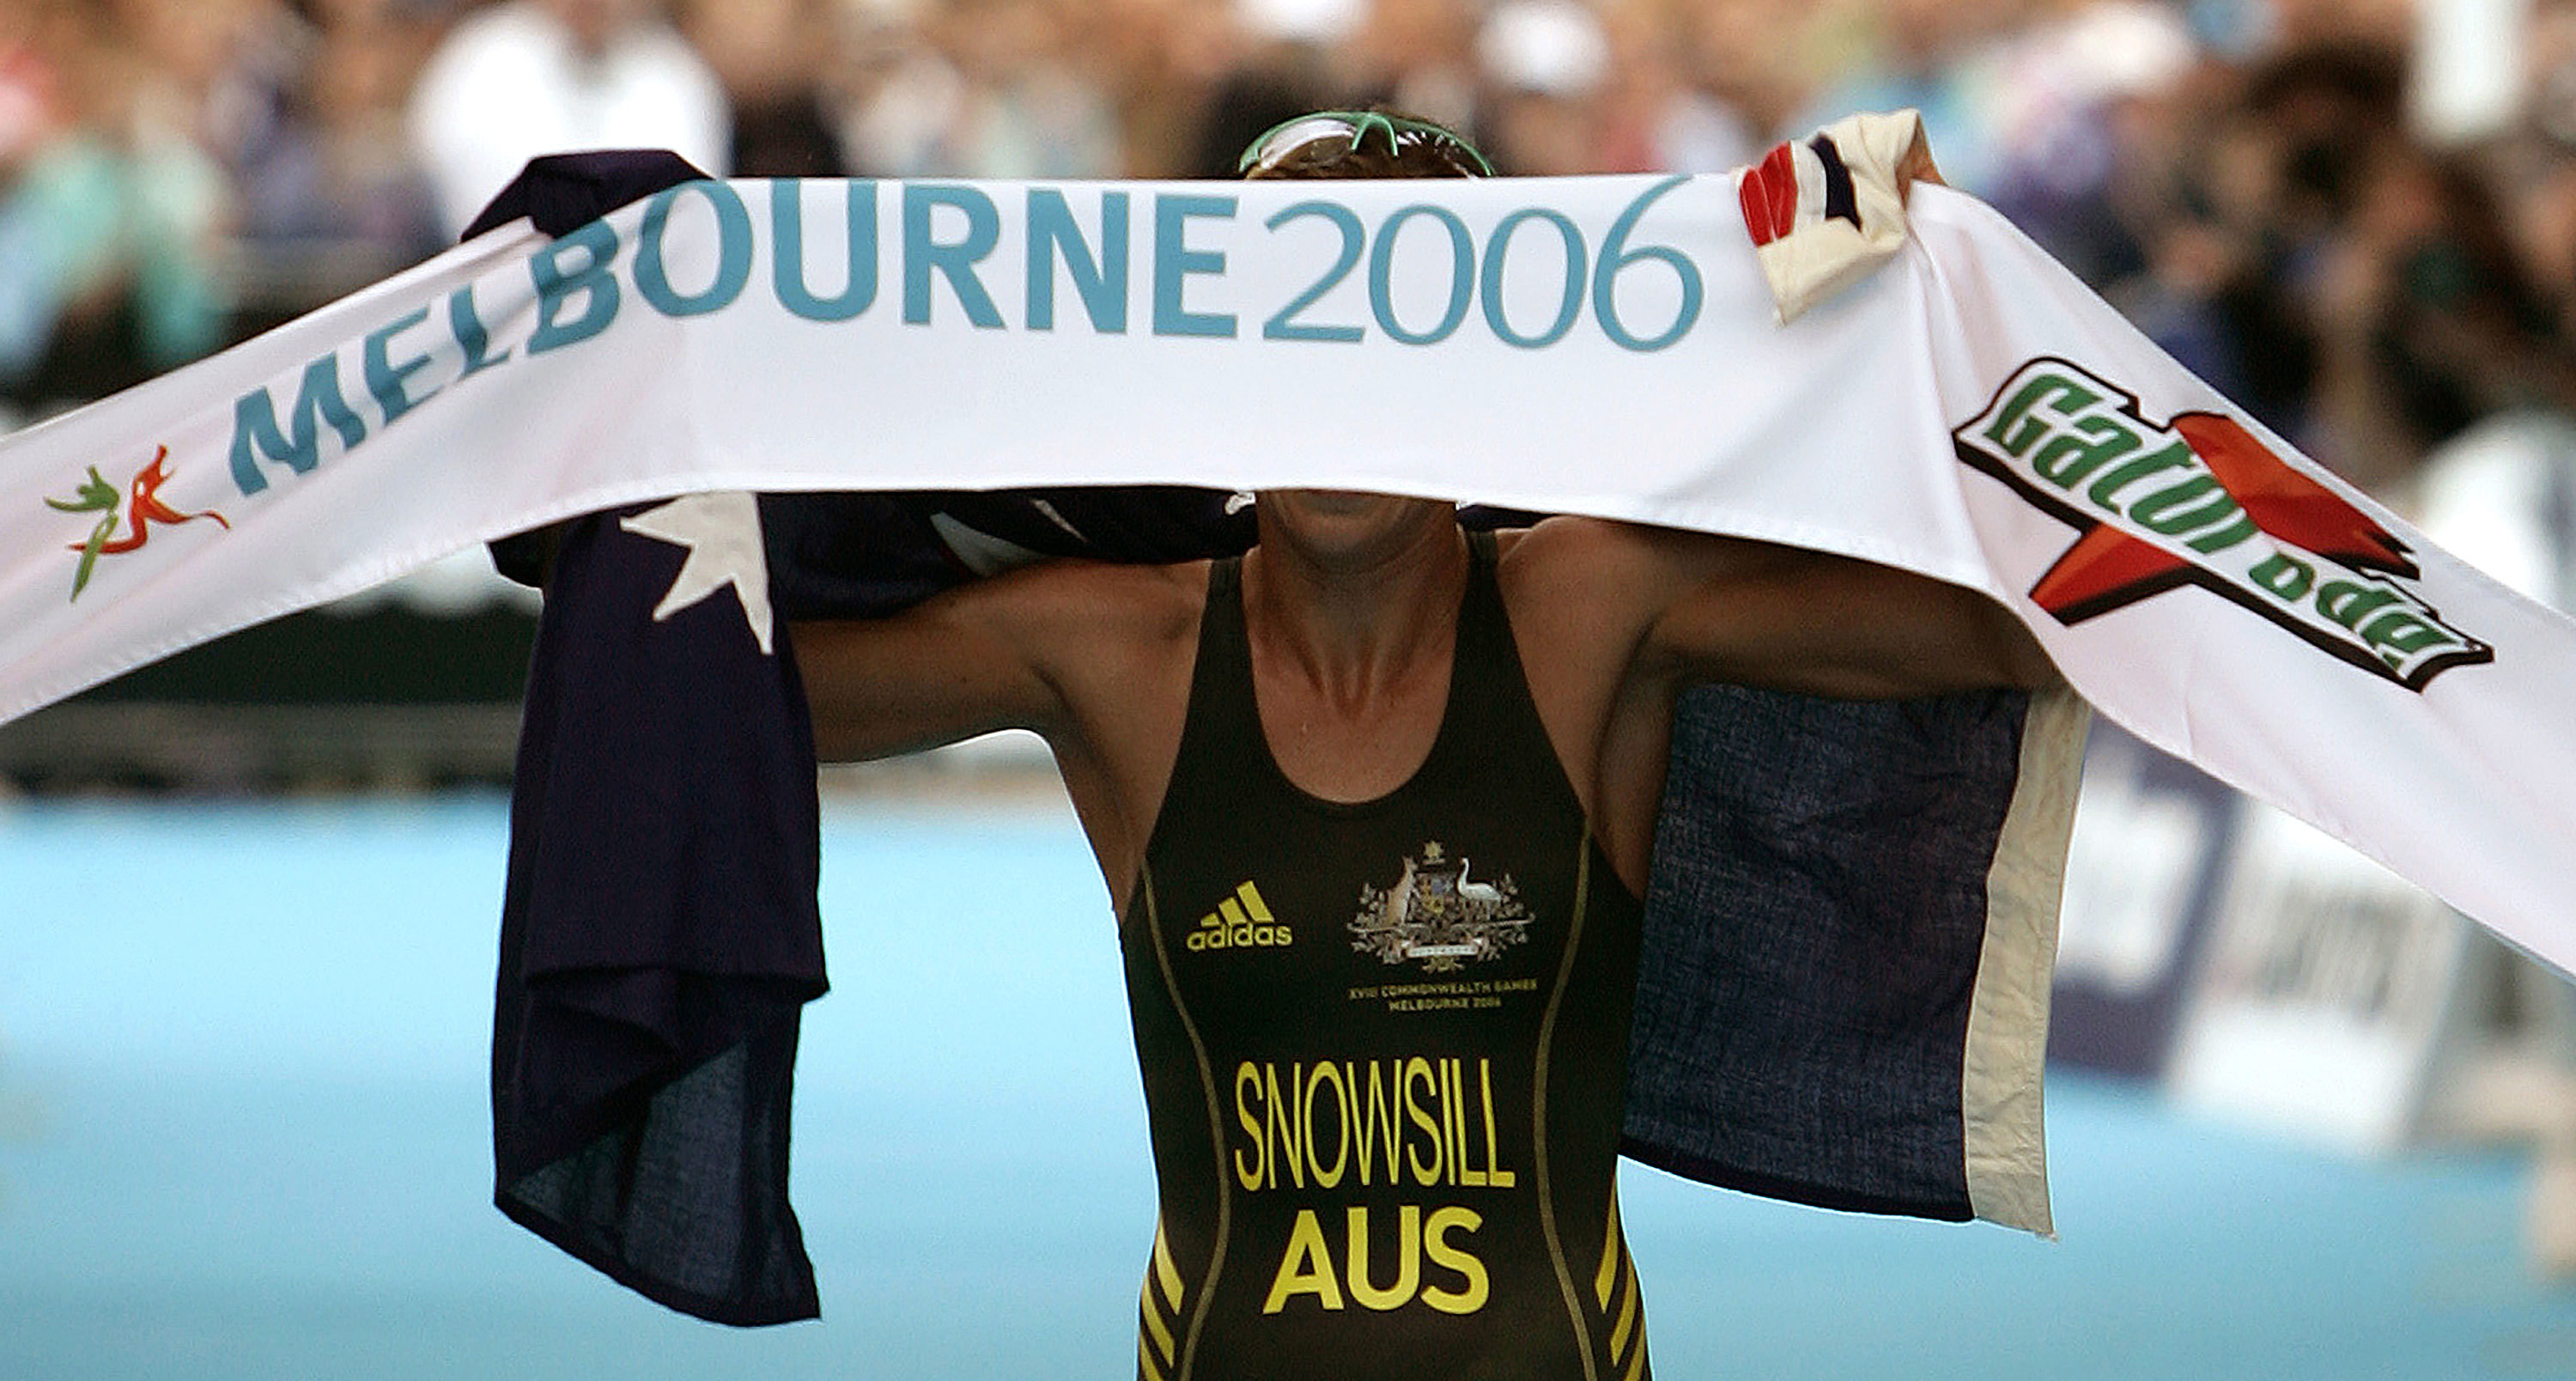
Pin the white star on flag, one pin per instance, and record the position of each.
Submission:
(722, 533)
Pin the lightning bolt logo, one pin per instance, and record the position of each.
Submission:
(2201, 501)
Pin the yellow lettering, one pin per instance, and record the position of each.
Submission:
(1306, 1268)
(1377, 1125)
(1455, 1114)
(1495, 1174)
(1408, 1119)
(1408, 1253)
(1250, 1178)
(1420, 1068)
(1283, 1125)
(1341, 1105)
(1435, 1241)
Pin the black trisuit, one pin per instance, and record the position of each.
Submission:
(1384, 1049)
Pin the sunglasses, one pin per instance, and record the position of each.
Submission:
(1285, 138)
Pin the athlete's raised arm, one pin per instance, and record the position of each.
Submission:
(1096, 658)
(1028, 650)
(1693, 607)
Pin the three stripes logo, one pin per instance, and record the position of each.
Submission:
(1158, 1313)
(1241, 921)
(1616, 1281)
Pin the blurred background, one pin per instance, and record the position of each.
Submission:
(2309, 1122)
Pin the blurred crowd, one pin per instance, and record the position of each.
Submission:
(2262, 184)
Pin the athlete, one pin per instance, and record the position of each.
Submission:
(1375, 803)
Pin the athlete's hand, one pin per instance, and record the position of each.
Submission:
(1827, 211)
(1917, 166)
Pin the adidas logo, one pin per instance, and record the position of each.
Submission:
(1241, 921)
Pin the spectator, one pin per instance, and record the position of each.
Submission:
(1026, 112)
(311, 126)
(1420, 56)
(772, 57)
(1730, 85)
(902, 94)
(1290, 56)
(2430, 324)
(1946, 58)
(1160, 62)
(526, 77)
(2084, 100)
(985, 88)
(111, 222)
(1547, 67)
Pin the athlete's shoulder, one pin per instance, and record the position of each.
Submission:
(1093, 598)
(1594, 558)
(1567, 543)
(1049, 647)
(1052, 617)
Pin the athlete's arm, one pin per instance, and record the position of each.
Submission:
(1702, 608)
(1018, 651)
(948, 669)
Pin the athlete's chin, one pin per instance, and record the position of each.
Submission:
(1327, 520)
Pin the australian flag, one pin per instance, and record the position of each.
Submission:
(660, 933)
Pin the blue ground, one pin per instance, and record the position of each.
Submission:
(242, 1136)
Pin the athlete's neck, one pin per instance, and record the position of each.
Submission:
(1357, 595)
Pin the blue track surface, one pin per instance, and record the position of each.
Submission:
(242, 1136)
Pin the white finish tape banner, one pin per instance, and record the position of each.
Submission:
(1595, 345)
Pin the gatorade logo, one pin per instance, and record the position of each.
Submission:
(2199, 500)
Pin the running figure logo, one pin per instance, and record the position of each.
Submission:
(1437, 914)
(143, 507)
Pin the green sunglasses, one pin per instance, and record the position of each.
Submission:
(1294, 133)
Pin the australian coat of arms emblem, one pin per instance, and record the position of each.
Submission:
(1437, 914)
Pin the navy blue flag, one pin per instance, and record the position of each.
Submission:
(659, 937)
(655, 952)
